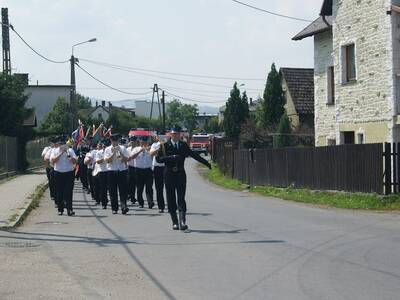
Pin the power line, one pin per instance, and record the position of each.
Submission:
(202, 95)
(190, 99)
(30, 47)
(121, 88)
(271, 13)
(158, 76)
(121, 91)
(109, 86)
(162, 77)
(173, 73)
(195, 90)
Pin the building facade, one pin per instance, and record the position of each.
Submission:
(43, 97)
(356, 71)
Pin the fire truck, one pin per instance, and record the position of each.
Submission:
(200, 143)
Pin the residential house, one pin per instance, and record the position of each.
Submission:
(298, 88)
(41, 98)
(102, 112)
(356, 71)
(204, 119)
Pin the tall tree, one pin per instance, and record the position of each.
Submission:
(13, 113)
(272, 107)
(182, 114)
(83, 102)
(12, 101)
(57, 121)
(236, 113)
(284, 139)
(189, 114)
(212, 126)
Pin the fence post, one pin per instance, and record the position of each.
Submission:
(388, 168)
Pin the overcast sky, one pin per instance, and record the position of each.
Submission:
(203, 37)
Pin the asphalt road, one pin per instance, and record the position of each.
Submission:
(240, 246)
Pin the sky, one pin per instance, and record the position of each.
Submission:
(198, 37)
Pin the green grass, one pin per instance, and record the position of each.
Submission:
(37, 196)
(321, 198)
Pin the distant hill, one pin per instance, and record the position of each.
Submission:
(128, 103)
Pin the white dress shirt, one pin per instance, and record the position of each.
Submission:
(98, 168)
(63, 165)
(92, 156)
(48, 155)
(132, 162)
(45, 150)
(144, 159)
(156, 146)
(116, 164)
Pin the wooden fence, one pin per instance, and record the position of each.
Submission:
(353, 168)
(8, 154)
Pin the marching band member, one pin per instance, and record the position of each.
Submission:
(100, 175)
(144, 173)
(90, 161)
(116, 157)
(132, 171)
(50, 168)
(158, 171)
(64, 160)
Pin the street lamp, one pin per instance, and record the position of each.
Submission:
(88, 41)
(73, 60)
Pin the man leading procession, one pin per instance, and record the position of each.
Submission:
(114, 172)
(173, 155)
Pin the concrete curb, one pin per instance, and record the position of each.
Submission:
(23, 212)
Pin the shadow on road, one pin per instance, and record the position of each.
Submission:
(48, 237)
(235, 231)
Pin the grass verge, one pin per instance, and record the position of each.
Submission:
(321, 198)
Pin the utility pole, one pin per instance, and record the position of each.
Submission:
(72, 99)
(155, 92)
(163, 109)
(6, 41)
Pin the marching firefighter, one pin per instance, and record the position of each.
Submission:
(173, 154)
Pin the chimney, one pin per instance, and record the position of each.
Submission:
(103, 103)
(109, 104)
(251, 101)
(97, 103)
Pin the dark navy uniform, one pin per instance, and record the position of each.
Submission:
(83, 149)
(174, 155)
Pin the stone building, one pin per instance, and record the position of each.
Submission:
(356, 71)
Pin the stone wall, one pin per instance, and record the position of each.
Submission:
(368, 100)
(325, 115)
(368, 105)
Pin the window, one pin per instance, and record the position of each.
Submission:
(331, 142)
(349, 63)
(360, 138)
(331, 85)
(348, 137)
(99, 116)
